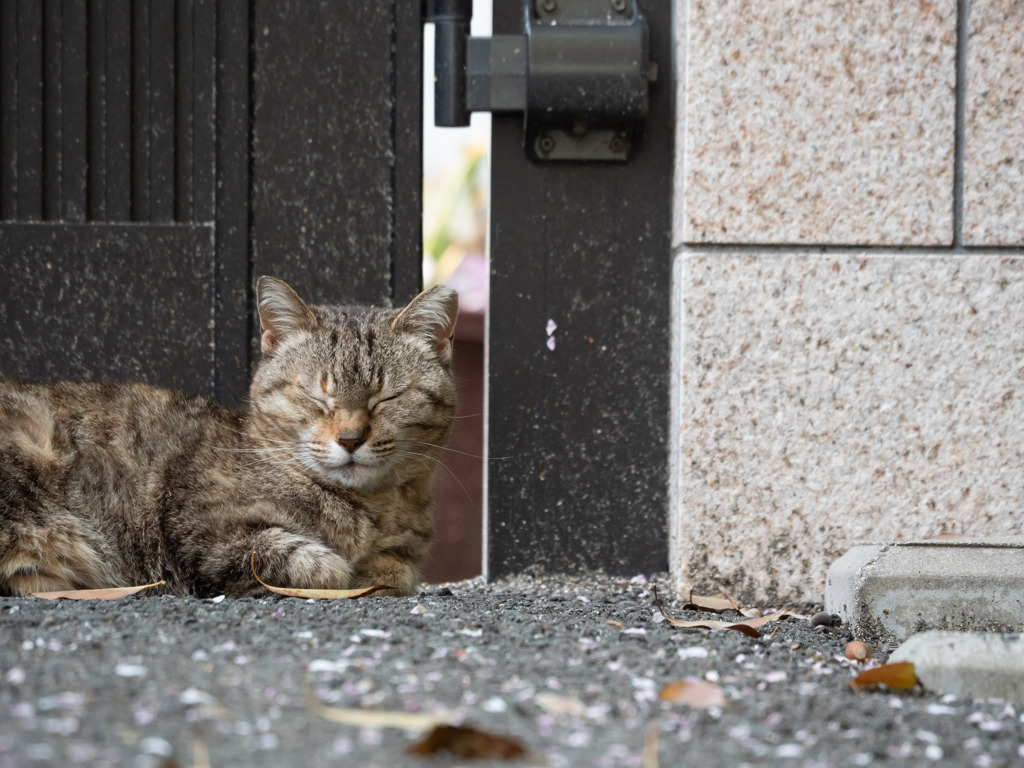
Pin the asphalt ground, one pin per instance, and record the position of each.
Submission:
(570, 669)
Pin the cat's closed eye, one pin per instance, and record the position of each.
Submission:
(322, 402)
(387, 399)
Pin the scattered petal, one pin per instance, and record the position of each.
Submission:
(154, 745)
(130, 670)
(551, 343)
(693, 652)
(551, 327)
(467, 742)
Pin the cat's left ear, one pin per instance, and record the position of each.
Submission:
(432, 316)
(282, 312)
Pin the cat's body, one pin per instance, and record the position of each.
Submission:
(326, 477)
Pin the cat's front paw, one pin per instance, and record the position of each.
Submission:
(388, 571)
(301, 563)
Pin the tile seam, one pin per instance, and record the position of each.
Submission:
(963, 13)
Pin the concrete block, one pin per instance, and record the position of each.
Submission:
(818, 123)
(975, 665)
(890, 591)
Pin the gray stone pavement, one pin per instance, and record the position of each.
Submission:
(971, 664)
(571, 668)
(891, 590)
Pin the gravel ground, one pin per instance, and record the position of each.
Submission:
(164, 681)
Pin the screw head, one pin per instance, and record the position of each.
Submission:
(617, 144)
(618, 5)
(546, 144)
(549, 5)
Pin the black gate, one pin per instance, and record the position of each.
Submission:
(157, 155)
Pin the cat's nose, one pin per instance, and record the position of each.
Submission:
(351, 439)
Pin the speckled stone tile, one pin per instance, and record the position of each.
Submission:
(831, 397)
(994, 130)
(825, 122)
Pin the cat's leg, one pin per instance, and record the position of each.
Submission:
(224, 555)
(43, 546)
(58, 555)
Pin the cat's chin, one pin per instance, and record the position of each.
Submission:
(354, 477)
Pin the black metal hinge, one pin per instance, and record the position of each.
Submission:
(580, 75)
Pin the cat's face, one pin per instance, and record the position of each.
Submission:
(360, 397)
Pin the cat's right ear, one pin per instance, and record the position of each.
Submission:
(282, 312)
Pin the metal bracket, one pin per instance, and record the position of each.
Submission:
(579, 74)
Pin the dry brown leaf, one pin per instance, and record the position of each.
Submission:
(713, 604)
(112, 593)
(748, 627)
(650, 753)
(326, 594)
(898, 676)
(693, 692)
(465, 741)
(616, 624)
(376, 718)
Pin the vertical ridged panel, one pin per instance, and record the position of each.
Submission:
(8, 109)
(203, 125)
(51, 166)
(161, 110)
(96, 145)
(184, 85)
(141, 108)
(74, 111)
(29, 110)
(118, 117)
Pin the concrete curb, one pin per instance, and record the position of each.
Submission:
(890, 591)
(974, 665)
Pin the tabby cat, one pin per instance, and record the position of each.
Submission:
(326, 476)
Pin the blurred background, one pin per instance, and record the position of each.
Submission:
(456, 182)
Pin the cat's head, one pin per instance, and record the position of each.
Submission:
(360, 396)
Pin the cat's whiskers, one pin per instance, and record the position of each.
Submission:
(438, 462)
(461, 453)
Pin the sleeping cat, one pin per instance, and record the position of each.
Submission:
(326, 476)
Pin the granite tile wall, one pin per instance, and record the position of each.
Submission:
(829, 397)
(994, 136)
(858, 389)
(819, 122)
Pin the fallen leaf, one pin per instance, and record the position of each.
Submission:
(693, 692)
(95, 594)
(377, 718)
(714, 604)
(748, 627)
(465, 741)
(326, 594)
(650, 753)
(898, 676)
(616, 624)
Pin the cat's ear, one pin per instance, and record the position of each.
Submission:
(282, 312)
(432, 316)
